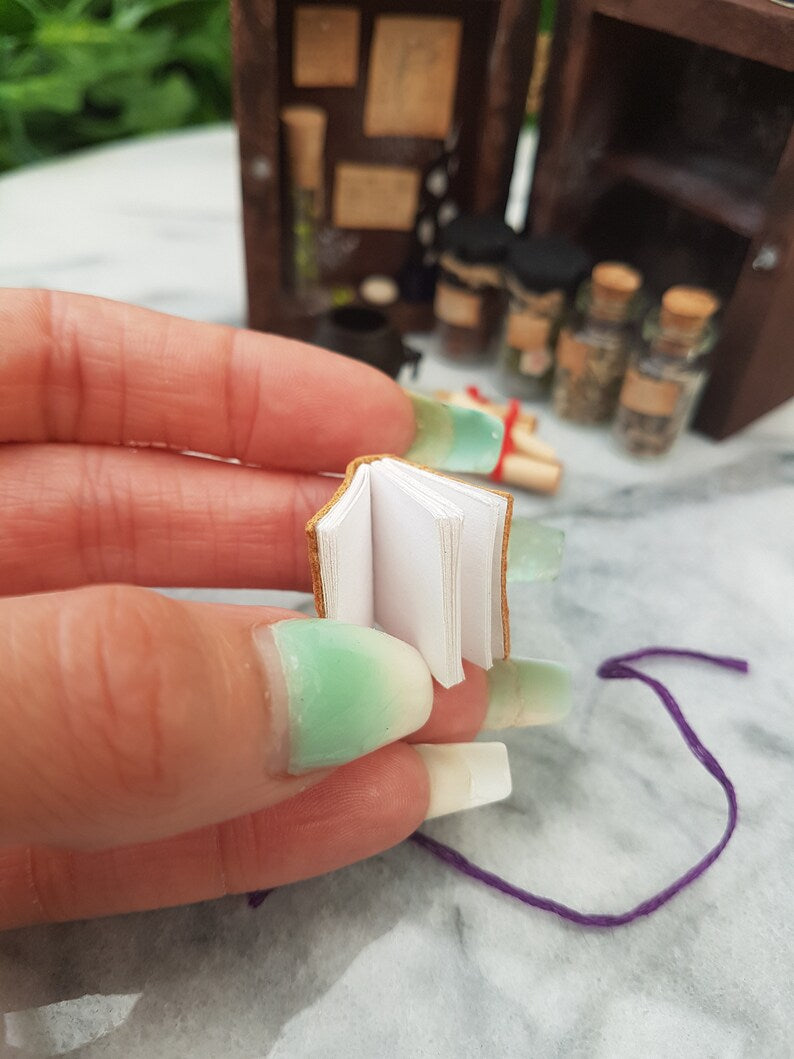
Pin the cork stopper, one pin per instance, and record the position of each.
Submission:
(305, 129)
(686, 309)
(615, 283)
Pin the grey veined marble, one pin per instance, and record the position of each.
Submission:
(398, 956)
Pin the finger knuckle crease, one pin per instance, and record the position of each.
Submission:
(126, 707)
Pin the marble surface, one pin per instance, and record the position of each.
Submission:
(399, 956)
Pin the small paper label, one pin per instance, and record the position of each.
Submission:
(572, 353)
(413, 75)
(649, 397)
(527, 331)
(534, 362)
(461, 308)
(376, 196)
(325, 46)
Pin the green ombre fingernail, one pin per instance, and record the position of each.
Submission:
(522, 692)
(534, 552)
(346, 690)
(454, 439)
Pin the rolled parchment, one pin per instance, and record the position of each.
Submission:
(527, 473)
(527, 443)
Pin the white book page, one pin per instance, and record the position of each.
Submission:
(449, 516)
(416, 558)
(482, 637)
(344, 545)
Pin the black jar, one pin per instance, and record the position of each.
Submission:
(470, 301)
(541, 277)
(365, 333)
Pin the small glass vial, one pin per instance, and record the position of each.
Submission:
(666, 372)
(469, 300)
(304, 131)
(540, 275)
(592, 349)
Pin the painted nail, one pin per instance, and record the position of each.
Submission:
(339, 691)
(534, 552)
(454, 439)
(465, 775)
(522, 692)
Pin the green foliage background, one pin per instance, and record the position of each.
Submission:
(80, 72)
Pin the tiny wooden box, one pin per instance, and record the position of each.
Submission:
(343, 58)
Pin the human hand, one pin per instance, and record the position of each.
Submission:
(155, 751)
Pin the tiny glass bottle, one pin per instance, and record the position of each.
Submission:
(592, 350)
(666, 372)
(540, 275)
(469, 300)
(304, 128)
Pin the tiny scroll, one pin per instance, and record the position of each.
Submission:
(413, 75)
(325, 46)
(376, 196)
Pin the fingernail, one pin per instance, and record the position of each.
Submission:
(340, 691)
(464, 775)
(454, 439)
(534, 552)
(528, 691)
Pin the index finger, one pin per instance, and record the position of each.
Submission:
(80, 369)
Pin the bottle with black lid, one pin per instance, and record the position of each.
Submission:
(470, 301)
(541, 276)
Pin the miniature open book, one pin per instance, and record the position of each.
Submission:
(419, 554)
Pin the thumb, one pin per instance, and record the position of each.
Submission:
(128, 716)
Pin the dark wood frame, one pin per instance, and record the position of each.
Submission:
(754, 361)
(258, 98)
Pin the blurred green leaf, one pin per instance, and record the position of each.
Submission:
(77, 72)
(56, 92)
(17, 16)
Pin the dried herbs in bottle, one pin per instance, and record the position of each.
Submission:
(666, 372)
(592, 349)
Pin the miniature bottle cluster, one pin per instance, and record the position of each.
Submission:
(498, 293)
(603, 357)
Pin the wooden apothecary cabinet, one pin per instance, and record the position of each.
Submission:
(421, 102)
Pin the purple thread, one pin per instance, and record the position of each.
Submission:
(617, 669)
(258, 897)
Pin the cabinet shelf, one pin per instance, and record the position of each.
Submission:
(716, 190)
(753, 29)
